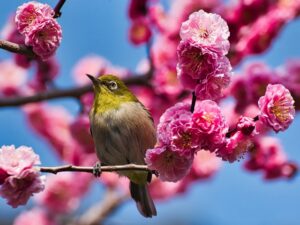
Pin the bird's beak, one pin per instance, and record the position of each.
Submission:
(95, 81)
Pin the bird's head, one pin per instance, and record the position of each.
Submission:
(110, 92)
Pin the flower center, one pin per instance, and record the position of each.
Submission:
(281, 110)
(203, 33)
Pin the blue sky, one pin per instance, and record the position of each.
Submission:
(233, 197)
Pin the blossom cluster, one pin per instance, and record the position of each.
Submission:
(140, 31)
(181, 134)
(185, 129)
(35, 21)
(202, 64)
(19, 180)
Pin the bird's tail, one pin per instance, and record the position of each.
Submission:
(144, 202)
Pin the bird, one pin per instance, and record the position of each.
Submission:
(122, 130)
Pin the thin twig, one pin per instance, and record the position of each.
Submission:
(89, 169)
(65, 93)
(16, 48)
(99, 212)
(57, 8)
(194, 98)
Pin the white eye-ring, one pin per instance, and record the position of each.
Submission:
(112, 85)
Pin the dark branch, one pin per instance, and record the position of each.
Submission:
(88, 169)
(57, 8)
(65, 93)
(16, 48)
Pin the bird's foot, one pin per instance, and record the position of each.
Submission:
(97, 169)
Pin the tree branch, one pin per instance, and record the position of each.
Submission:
(89, 169)
(16, 48)
(57, 8)
(66, 93)
(98, 212)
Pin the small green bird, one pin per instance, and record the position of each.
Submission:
(123, 130)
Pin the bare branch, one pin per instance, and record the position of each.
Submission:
(16, 48)
(88, 169)
(57, 8)
(98, 212)
(65, 93)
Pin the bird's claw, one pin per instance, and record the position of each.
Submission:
(97, 170)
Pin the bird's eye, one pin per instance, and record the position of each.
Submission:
(112, 85)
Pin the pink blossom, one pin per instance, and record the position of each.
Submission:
(203, 70)
(95, 65)
(53, 124)
(34, 217)
(180, 110)
(163, 51)
(44, 37)
(269, 156)
(166, 82)
(31, 13)
(113, 180)
(17, 189)
(184, 138)
(196, 61)
(213, 86)
(12, 77)
(140, 31)
(63, 191)
(80, 130)
(246, 125)
(236, 147)
(169, 164)
(205, 165)
(208, 119)
(163, 190)
(19, 179)
(13, 161)
(277, 107)
(206, 29)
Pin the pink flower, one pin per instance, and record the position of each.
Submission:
(206, 29)
(208, 119)
(180, 110)
(205, 165)
(246, 125)
(12, 78)
(80, 130)
(213, 86)
(203, 70)
(269, 157)
(44, 37)
(17, 189)
(277, 107)
(163, 190)
(184, 138)
(196, 61)
(31, 13)
(13, 161)
(19, 179)
(63, 191)
(95, 65)
(163, 51)
(140, 31)
(168, 163)
(34, 217)
(235, 147)
(166, 82)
